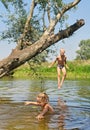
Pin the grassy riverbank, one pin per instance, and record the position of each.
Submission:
(77, 70)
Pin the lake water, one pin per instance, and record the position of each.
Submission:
(71, 104)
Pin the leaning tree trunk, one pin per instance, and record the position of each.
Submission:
(19, 57)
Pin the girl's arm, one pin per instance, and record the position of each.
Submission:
(41, 115)
(51, 109)
(32, 103)
(45, 110)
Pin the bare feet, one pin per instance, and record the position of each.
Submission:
(59, 86)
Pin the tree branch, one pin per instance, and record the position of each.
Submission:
(66, 8)
(27, 24)
(29, 18)
(69, 31)
(48, 11)
(59, 15)
(43, 20)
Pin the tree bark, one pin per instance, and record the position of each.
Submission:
(19, 57)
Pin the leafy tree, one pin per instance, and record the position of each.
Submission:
(35, 30)
(84, 52)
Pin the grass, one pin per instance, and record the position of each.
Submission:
(77, 70)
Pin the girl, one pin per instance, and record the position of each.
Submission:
(43, 101)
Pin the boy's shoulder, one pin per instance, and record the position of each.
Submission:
(65, 57)
(58, 57)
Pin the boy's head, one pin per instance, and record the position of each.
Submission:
(62, 51)
(42, 98)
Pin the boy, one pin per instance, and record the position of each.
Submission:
(42, 100)
(61, 64)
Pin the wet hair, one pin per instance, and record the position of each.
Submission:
(43, 97)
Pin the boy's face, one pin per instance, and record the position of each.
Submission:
(62, 51)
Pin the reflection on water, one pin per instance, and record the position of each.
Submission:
(71, 104)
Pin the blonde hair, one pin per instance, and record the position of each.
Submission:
(43, 97)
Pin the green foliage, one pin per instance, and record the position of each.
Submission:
(14, 19)
(37, 60)
(84, 52)
(16, 14)
(77, 70)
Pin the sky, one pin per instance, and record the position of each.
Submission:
(71, 44)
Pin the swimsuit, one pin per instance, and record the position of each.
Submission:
(60, 66)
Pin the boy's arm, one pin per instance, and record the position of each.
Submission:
(67, 66)
(53, 63)
(66, 63)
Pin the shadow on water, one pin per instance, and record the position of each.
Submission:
(71, 104)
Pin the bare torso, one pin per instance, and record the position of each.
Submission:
(61, 60)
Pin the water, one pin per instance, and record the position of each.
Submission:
(71, 104)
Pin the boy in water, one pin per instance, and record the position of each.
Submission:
(43, 101)
(61, 66)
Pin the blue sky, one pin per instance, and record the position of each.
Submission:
(70, 44)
